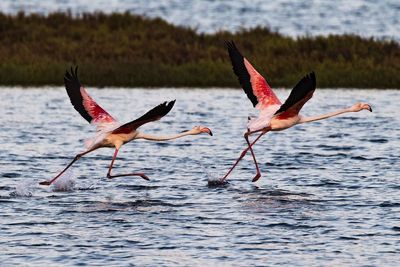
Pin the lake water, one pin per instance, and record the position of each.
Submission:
(363, 17)
(329, 194)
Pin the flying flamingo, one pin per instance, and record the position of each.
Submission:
(273, 115)
(111, 133)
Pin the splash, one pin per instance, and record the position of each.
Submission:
(65, 182)
(213, 180)
(23, 189)
(216, 181)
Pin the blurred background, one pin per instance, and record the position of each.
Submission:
(181, 43)
(293, 18)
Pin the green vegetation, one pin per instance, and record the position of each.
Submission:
(130, 50)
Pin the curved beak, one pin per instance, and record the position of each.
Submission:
(207, 130)
(369, 108)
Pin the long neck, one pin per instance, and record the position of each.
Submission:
(325, 116)
(162, 137)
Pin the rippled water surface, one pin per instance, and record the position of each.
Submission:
(301, 17)
(329, 194)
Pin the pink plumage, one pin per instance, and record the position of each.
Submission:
(274, 116)
(261, 89)
(98, 114)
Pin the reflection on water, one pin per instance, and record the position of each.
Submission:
(329, 194)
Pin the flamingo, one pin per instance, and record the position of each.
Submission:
(274, 116)
(111, 133)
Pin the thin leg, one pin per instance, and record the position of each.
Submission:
(258, 174)
(241, 156)
(78, 156)
(246, 137)
(121, 175)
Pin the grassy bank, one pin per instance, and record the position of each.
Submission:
(130, 50)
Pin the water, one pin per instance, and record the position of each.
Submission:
(364, 17)
(329, 194)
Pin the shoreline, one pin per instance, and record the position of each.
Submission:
(126, 50)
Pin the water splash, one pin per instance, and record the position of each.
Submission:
(23, 189)
(65, 182)
(176, 211)
(213, 179)
(216, 182)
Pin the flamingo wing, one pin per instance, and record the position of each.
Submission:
(253, 83)
(82, 102)
(152, 115)
(300, 94)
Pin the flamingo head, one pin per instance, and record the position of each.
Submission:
(201, 129)
(360, 106)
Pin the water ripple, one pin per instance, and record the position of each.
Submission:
(329, 192)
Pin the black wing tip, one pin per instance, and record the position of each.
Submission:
(155, 113)
(302, 88)
(72, 74)
(311, 76)
(230, 44)
(240, 70)
(311, 79)
(236, 57)
(168, 105)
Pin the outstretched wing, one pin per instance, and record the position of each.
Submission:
(82, 102)
(253, 84)
(153, 115)
(300, 94)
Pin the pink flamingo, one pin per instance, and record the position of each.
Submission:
(111, 133)
(273, 115)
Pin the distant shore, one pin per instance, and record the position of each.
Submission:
(134, 51)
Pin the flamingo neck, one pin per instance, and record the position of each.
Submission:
(324, 116)
(163, 137)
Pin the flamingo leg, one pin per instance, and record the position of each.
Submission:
(121, 175)
(258, 174)
(241, 156)
(78, 156)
